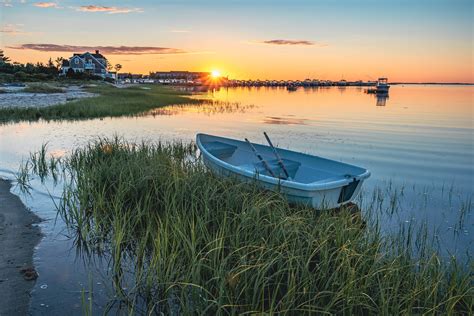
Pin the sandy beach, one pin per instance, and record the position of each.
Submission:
(18, 237)
(18, 99)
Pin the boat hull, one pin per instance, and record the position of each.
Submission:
(325, 195)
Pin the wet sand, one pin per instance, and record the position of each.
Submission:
(18, 237)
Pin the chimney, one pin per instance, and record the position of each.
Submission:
(97, 51)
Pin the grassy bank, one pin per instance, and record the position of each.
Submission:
(204, 245)
(111, 102)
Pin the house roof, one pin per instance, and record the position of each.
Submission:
(98, 56)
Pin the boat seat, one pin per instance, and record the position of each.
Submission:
(219, 149)
(291, 167)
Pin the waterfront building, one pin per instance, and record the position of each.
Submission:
(92, 63)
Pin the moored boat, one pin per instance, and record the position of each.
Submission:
(305, 179)
(382, 86)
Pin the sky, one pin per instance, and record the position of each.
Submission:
(409, 41)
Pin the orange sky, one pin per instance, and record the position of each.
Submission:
(410, 43)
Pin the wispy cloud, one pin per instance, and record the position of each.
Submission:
(287, 42)
(112, 50)
(9, 28)
(46, 4)
(6, 3)
(12, 29)
(109, 10)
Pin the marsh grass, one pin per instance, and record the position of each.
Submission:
(43, 88)
(199, 244)
(111, 102)
(205, 107)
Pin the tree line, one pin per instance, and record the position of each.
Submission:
(14, 71)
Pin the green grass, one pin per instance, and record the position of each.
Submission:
(42, 88)
(199, 244)
(112, 102)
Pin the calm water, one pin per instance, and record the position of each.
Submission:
(419, 141)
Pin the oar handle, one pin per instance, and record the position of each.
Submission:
(265, 164)
(275, 152)
(268, 140)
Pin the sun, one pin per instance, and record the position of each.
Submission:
(215, 74)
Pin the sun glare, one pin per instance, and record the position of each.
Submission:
(215, 74)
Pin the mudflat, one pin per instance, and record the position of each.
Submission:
(18, 237)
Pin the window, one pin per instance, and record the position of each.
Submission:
(76, 61)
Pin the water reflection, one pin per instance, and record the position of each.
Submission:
(283, 120)
(381, 99)
(208, 107)
(197, 88)
(341, 89)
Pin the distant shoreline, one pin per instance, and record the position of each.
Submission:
(434, 83)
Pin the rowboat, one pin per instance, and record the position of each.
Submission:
(303, 179)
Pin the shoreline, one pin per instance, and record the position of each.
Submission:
(18, 237)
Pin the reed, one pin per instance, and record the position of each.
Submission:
(196, 243)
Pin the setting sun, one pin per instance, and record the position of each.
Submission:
(215, 74)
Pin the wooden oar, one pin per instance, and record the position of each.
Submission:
(265, 164)
(280, 161)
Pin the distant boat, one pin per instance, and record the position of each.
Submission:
(342, 83)
(303, 179)
(382, 86)
(291, 88)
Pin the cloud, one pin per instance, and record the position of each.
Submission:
(112, 50)
(12, 29)
(287, 42)
(6, 3)
(109, 10)
(46, 4)
(9, 28)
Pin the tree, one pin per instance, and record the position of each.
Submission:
(109, 66)
(59, 62)
(118, 67)
(3, 58)
(50, 63)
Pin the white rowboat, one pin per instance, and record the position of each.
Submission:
(315, 181)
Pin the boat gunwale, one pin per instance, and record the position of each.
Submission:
(312, 186)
